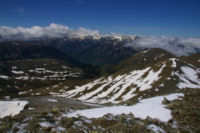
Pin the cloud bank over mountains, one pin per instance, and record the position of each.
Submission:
(37, 32)
(177, 46)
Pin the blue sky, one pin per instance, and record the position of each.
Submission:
(179, 18)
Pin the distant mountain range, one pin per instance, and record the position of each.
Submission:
(99, 50)
(96, 52)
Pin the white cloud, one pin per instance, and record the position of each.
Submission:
(36, 32)
(177, 46)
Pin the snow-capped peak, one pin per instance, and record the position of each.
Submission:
(120, 37)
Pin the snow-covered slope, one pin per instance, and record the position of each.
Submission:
(189, 78)
(112, 88)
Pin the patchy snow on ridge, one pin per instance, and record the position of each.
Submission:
(149, 79)
(45, 124)
(22, 78)
(155, 129)
(17, 72)
(173, 62)
(4, 77)
(12, 108)
(52, 100)
(111, 89)
(190, 73)
(151, 107)
(189, 78)
(23, 92)
(79, 89)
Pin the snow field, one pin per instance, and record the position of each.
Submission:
(11, 108)
(151, 107)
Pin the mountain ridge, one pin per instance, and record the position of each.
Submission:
(168, 74)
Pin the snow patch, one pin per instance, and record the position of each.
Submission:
(151, 107)
(11, 108)
(22, 78)
(173, 62)
(14, 67)
(17, 72)
(45, 124)
(4, 77)
(22, 92)
(31, 108)
(189, 78)
(155, 129)
(52, 100)
(40, 69)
